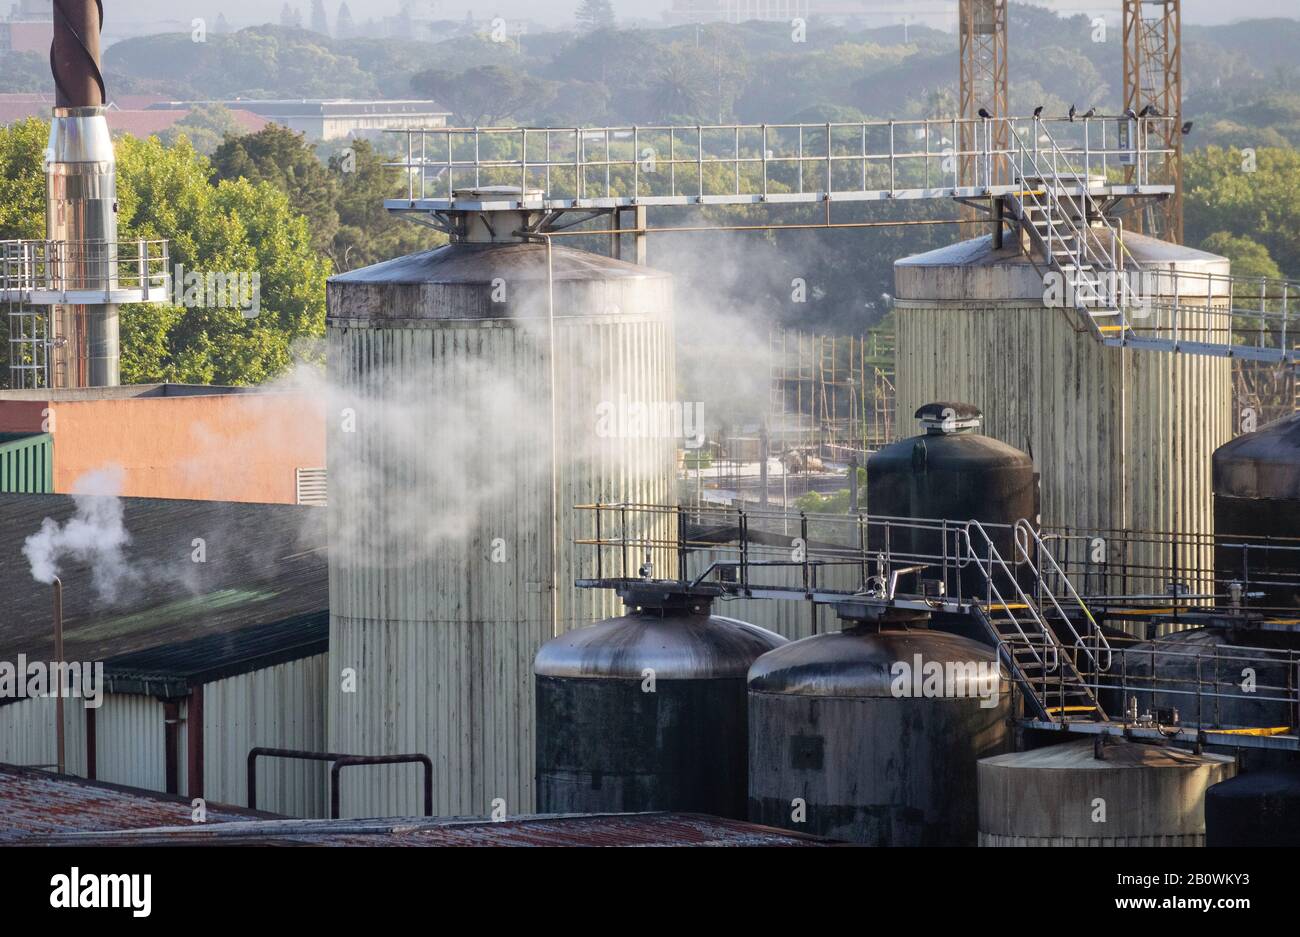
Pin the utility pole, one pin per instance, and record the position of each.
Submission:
(1153, 78)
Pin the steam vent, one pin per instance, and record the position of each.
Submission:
(453, 485)
(1123, 439)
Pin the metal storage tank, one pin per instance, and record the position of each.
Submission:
(647, 711)
(453, 474)
(1166, 674)
(1257, 496)
(1064, 795)
(1256, 808)
(1122, 438)
(840, 736)
(951, 472)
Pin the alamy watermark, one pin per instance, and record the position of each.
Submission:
(38, 679)
(656, 419)
(929, 679)
(198, 289)
(1108, 289)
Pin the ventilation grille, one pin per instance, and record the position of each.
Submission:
(311, 485)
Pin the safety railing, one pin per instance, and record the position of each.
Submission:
(744, 163)
(1052, 586)
(984, 554)
(32, 270)
(1172, 570)
(337, 763)
(780, 554)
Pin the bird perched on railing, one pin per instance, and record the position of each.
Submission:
(1038, 112)
(1150, 111)
(1130, 113)
(983, 112)
(1187, 128)
(1073, 110)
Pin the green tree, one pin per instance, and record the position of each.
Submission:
(368, 232)
(1257, 197)
(226, 226)
(219, 226)
(485, 95)
(206, 126)
(22, 179)
(283, 158)
(1249, 258)
(595, 14)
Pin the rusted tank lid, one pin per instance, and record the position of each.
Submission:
(944, 418)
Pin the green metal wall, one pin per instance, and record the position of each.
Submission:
(26, 463)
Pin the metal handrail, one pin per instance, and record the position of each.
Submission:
(1023, 527)
(993, 555)
(92, 265)
(608, 152)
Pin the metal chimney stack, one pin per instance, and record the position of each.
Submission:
(81, 202)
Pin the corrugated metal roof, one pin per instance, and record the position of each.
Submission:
(265, 566)
(627, 829)
(166, 668)
(36, 803)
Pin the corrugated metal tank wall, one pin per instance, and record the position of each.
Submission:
(276, 707)
(1122, 438)
(440, 637)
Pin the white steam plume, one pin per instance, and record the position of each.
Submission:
(95, 534)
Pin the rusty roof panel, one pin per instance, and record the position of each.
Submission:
(645, 829)
(37, 803)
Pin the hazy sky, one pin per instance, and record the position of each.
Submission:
(561, 11)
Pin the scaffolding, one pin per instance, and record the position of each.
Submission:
(1153, 83)
(832, 395)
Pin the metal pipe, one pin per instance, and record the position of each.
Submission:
(58, 690)
(74, 53)
(349, 761)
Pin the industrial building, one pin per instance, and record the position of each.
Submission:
(515, 629)
(336, 119)
(167, 440)
(205, 613)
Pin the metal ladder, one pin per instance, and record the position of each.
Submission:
(1060, 225)
(1077, 241)
(1056, 677)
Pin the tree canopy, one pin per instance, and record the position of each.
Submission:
(219, 226)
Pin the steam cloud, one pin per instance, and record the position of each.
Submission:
(95, 534)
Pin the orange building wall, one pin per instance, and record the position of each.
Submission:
(223, 447)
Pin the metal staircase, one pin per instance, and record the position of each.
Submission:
(1123, 303)
(1055, 666)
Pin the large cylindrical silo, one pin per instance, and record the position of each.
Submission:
(453, 476)
(1065, 795)
(1122, 438)
(646, 711)
(871, 734)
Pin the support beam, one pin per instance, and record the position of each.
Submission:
(194, 742)
(1153, 78)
